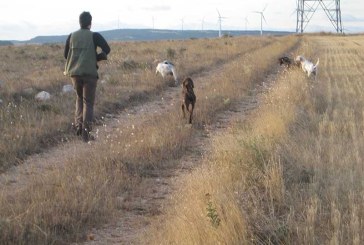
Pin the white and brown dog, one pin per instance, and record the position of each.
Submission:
(307, 66)
(166, 68)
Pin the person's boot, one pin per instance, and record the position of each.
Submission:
(85, 135)
(79, 131)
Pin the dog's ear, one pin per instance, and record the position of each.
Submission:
(185, 82)
(189, 82)
(193, 86)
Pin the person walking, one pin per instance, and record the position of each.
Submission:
(81, 65)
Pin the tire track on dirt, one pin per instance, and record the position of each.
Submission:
(148, 198)
(18, 177)
(138, 208)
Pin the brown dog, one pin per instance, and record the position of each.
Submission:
(188, 97)
(285, 61)
(288, 62)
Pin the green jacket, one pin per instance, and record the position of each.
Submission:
(81, 58)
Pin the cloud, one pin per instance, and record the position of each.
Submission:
(351, 18)
(23, 31)
(157, 8)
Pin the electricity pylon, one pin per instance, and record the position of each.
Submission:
(307, 8)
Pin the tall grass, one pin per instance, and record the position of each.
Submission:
(290, 174)
(208, 209)
(327, 143)
(62, 204)
(127, 77)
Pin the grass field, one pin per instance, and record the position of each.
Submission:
(290, 173)
(293, 174)
(128, 76)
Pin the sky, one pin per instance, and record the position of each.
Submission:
(25, 19)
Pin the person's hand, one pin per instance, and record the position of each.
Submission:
(101, 56)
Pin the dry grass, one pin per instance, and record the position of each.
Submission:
(293, 173)
(327, 144)
(290, 174)
(127, 77)
(61, 205)
(208, 209)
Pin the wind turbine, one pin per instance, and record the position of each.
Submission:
(202, 23)
(220, 20)
(261, 19)
(246, 23)
(182, 22)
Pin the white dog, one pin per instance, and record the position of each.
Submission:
(167, 68)
(307, 66)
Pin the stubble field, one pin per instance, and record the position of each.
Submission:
(288, 172)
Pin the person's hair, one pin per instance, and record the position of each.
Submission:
(85, 19)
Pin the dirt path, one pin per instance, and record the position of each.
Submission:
(139, 208)
(148, 199)
(17, 177)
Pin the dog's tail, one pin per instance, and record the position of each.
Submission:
(318, 61)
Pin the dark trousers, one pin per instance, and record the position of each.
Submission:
(85, 88)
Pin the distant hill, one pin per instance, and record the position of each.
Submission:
(149, 34)
(6, 43)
